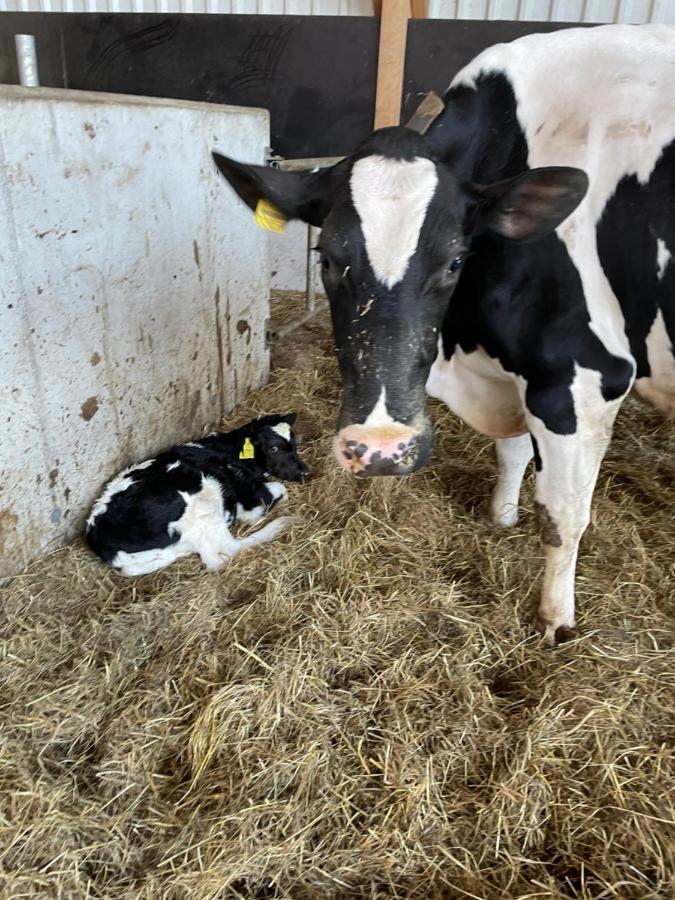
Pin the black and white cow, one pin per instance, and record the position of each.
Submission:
(186, 499)
(515, 262)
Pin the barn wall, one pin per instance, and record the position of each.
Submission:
(134, 292)
(632, 11)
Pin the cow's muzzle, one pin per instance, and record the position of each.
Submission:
(393, 449)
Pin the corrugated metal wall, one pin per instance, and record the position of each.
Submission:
(633, 11)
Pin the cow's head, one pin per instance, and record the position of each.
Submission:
(396, 225)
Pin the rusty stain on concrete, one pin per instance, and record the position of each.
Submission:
(53, 475)
(95, 358)
(242, 326)
(89, 128)
(89, 408)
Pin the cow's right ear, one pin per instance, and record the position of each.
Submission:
(531, 205)
(298, 195)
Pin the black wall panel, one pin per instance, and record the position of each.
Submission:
(316, 74)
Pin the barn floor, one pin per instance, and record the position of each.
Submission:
(360, 709)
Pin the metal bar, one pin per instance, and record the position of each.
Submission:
(26, 58)
(302, 165)
(310, 296)
(274, 335)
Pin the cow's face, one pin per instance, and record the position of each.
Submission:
(396, 225)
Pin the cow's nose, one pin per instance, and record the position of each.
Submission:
(394, 449)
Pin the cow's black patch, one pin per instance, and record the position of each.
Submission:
(475, 120)
(633, 221)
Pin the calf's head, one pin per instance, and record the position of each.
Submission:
(396, 225)
(277, 447)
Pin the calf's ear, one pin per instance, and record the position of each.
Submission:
(290, 418)
(298, 195)
(531, 205)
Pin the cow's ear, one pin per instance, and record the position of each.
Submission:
(531, 205)
(290, 418)
(298, 195)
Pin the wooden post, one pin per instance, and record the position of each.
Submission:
(390, 61)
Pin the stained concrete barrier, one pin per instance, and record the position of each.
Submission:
(133, 294)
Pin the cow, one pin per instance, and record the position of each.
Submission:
(186, 499)
(515, 262)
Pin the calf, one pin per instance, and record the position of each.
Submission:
(516, 262)
(185, 500)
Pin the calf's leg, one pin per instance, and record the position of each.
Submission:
(217, 552)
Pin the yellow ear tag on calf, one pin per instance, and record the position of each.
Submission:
(269, 217)
(247, 451)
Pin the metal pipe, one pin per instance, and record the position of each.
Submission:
(310, 295)
(274, 335)
(303, 165)
(26, 58)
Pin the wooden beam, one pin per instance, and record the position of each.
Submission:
(390, 62)
(419, 9)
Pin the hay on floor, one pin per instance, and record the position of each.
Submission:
(359, 709)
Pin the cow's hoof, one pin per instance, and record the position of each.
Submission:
(554, 633)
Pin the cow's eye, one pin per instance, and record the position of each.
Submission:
(457, 263)
(274, 450)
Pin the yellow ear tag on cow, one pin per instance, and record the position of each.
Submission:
(247, 451)
(269, 217)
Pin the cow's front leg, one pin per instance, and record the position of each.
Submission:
(513, 455)
(565, 482)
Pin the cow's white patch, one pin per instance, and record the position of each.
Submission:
(616, 129)
(172, 466)
(118, 484)
(663, 257)
(659, 387)
(391, 197)
(283, 429)
(478, 390)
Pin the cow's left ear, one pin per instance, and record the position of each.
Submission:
(531, 205)
(290, 418)
(298, 195)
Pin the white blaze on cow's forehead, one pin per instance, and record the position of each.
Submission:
(391, 197)
(663, 257)
(283, 429)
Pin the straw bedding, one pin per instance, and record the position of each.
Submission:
(360, 709)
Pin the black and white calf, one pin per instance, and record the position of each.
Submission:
(516, 262)
(185, 500)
